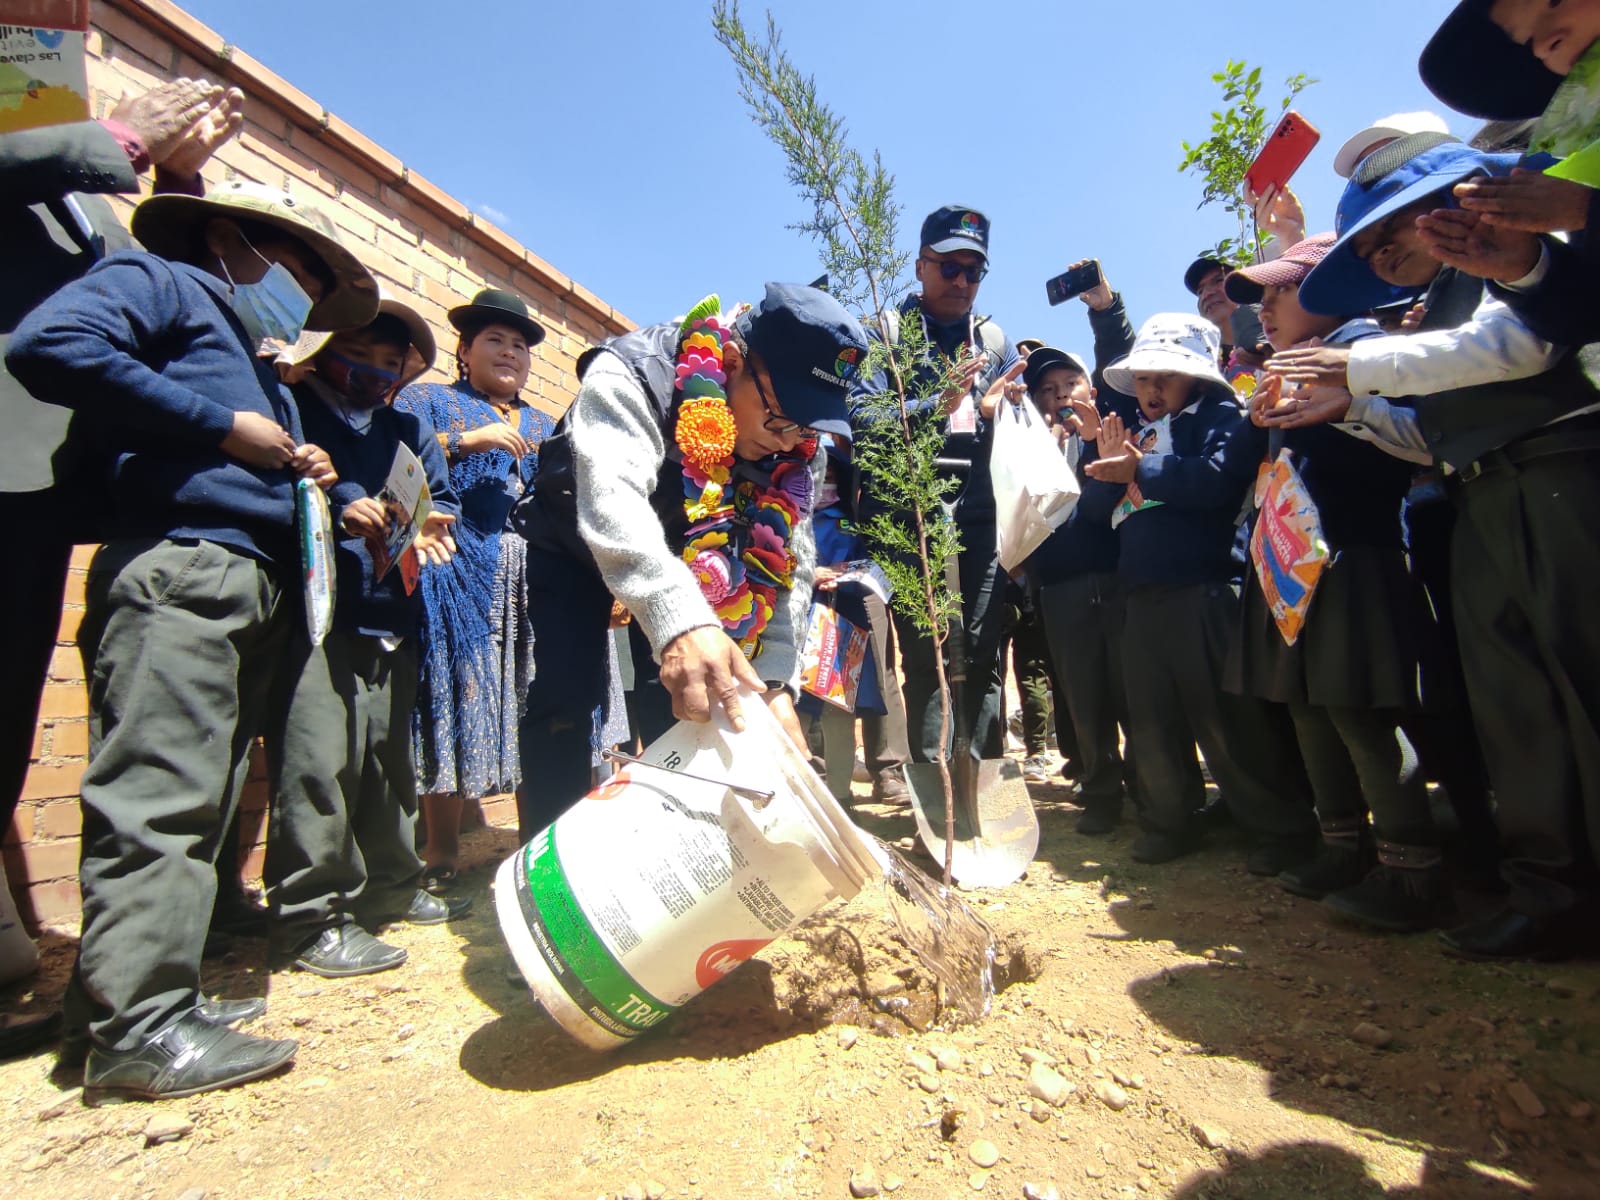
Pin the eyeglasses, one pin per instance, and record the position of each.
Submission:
(950, 270)
(782, 427)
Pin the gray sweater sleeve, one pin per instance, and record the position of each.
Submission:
(617, 452)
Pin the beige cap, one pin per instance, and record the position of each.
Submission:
(1385, 129)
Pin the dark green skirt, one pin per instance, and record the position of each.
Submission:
(1358, 648)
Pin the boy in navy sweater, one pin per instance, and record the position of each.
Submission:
(1174, 489)
(187, 613)
(343, 843)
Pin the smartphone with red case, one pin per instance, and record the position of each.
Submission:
(1280, 158)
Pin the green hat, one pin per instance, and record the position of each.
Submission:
(170, 225)
(495, 307)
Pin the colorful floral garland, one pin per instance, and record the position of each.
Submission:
(738, 540)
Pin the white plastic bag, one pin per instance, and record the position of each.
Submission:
(1035, 489)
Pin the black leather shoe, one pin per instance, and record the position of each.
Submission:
(24, 1035)
(889, 787)
(1396, 899)
(1337, 865)
(345, 950)
(1508, 936)
(1154, 848)
(428, 909)
(74, 1048)
(1099, 819)
(1275, 855)
(191, 1055)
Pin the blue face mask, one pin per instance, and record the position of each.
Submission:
(275, 306)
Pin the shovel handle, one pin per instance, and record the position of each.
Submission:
(749, 793)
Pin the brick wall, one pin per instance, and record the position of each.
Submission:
(422, 242)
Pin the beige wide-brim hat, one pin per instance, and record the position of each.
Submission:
(171, 225)
(1173, 343)
(424, 348)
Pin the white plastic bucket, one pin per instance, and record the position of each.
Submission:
(655, 885)
(19, 957)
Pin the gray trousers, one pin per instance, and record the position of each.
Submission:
(344, 816)
(1525, 567)
(180, 641)
(1173, 648)
(1083, 621)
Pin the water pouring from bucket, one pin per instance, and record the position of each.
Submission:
(678, 869)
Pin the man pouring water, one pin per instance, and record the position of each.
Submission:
(680, 483)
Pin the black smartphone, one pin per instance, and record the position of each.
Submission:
(1073, 282)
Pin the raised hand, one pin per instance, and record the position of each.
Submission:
(163, 115)
(1314, 366)
(1528, 200)
(1466, 241)
(1279, 213)
(1098, 297)
(1007, 386)
(204, 136)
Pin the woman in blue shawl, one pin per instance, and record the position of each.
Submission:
(477, 644)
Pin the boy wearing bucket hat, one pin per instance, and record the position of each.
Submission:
(187, 611)
(680, 483)
(1518, 422)
(343, 836)
(1080, 598)
(1178, 565)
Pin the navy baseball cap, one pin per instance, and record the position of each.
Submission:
(1475, 68)
(1047, 358)
(812, 348)
(1199, 269)
(956, 228)
(1388, 180)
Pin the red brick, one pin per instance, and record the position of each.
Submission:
(69, 739)
(64, 701)
(148, 41)
(500, 243)
(66, 664)
(262, 85)
(82, 556)
(49, 782)
(71, 619)
(53, 901)
(386, 166)
(499, 811)
(76, 581)
(250, 866)
(44, 861)
(62, 819)
(21, 828)
(194, 35)
(253, 798)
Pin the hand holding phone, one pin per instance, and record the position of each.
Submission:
(1073, 281)
(1286, 148)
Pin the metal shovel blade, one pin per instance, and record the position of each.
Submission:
(997, 832)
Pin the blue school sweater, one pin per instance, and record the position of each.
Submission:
(1191, 537)
(364, 603)
(150, 353)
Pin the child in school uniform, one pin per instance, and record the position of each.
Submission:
(1351, 673)
(1516, 420)
(1177, 503)
(342, 849)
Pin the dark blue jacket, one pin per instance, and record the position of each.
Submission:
(1191, 536)
(364, 603)
(1086, 545)
(150, 353)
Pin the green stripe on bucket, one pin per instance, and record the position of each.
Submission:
(588, 972)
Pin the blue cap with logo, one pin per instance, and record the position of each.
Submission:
(1388, 180)
(955, 227)
(813, 349)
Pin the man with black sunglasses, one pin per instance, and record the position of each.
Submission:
(951, 263)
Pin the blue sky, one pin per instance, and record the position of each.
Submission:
(610, 138)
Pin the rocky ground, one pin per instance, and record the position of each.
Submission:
(1191, 1032)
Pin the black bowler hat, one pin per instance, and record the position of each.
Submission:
(812, 348)
(494, 307)
(954, 227)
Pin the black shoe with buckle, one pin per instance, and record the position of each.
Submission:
(189, 1056)
(341, 951)
(74, 1048)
